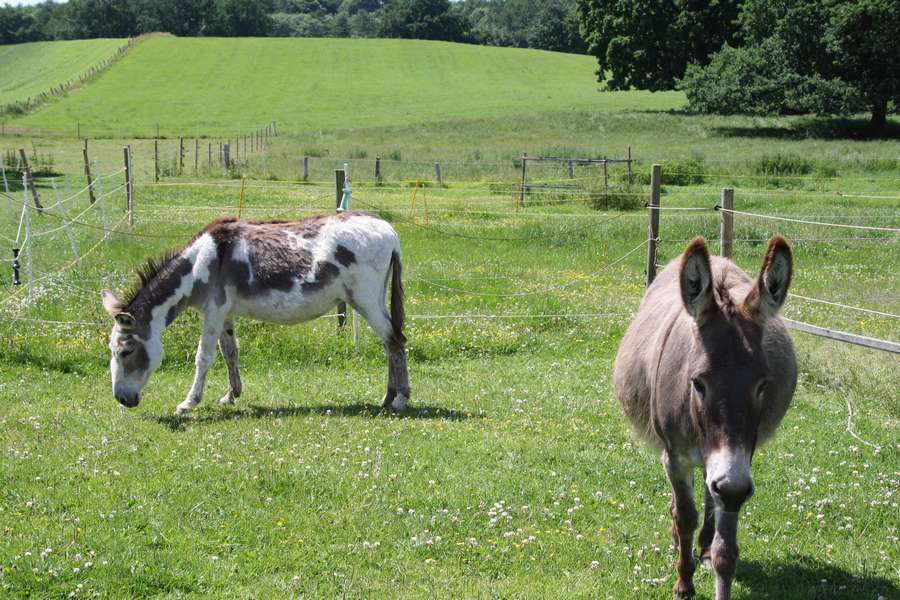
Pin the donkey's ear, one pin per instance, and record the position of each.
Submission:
(771, 288)
(696, 280)
(112, 304)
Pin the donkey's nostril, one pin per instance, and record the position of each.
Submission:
(715, 488)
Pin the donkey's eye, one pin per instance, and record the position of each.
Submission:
(699, 388)
(126, 353)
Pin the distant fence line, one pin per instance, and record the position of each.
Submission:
(32, 102)
(725, 210)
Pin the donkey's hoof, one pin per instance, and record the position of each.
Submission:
(399, 402)
(684, 589)
(227, 399)
(705, 558)
(182, 409)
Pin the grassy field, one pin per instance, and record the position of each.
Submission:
(219, 86)
(29, 69)
(512, 474)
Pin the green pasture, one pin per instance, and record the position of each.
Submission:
(208, 86)
(26, 70)
(512, 473)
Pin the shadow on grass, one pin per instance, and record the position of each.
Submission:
(822, 129)
(253, 411)
(807, 577)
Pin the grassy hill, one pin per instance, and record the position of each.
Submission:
(29, 69)
(213, 86)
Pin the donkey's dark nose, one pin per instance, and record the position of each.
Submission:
(128, 401)
(731, 493)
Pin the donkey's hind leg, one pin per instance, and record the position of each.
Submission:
(228, 346)
(398, 389)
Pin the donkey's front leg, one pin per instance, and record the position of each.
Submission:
(206, 353)
(228, 346)
(709, 527)
(684, 520)
(724, 552)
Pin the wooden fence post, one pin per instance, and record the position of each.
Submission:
(196, 154)
(377, 167)
(156, 160)
(726, 223)
(522, 182)
(571, 170)
(180, 155)
(605, 174)
(339, 175)
(87, 172)
(653, 242)
(129, 198)
(305, 168)
(274, 129)
(630, 175)
(226, 155)
(30, 178)
(437, 173)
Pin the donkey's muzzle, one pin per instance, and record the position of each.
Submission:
(128, 400)
(731, 494)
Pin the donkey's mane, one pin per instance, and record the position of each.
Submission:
(147, 273)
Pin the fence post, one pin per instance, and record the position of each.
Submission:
(630, 175)
(209, 158)
(274, 129)
(156, 161)
(522, 182)
(87, 172)
(27, 217)
(101, 200)
(726, 223)
(196, 154)
(129, 199)
(571, 170)
(226, 155)
(339, 177)
(65, 220)
(180, 155)
(305, 168)
(437, 173)
(377, 167)
(653, 241)
(605, 174)
(30, 178)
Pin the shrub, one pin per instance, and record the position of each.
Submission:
(782, 164)
(689, 171)
(315, 152)
(623, 197)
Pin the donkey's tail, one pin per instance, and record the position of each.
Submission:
(398, 313)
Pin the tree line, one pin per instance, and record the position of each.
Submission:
(544, 24)
(829, 57)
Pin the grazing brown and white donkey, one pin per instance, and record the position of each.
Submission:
(276, 271)
(705, 373)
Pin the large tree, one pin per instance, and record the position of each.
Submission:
(802, 56)
(421, 19)
(647, 44)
